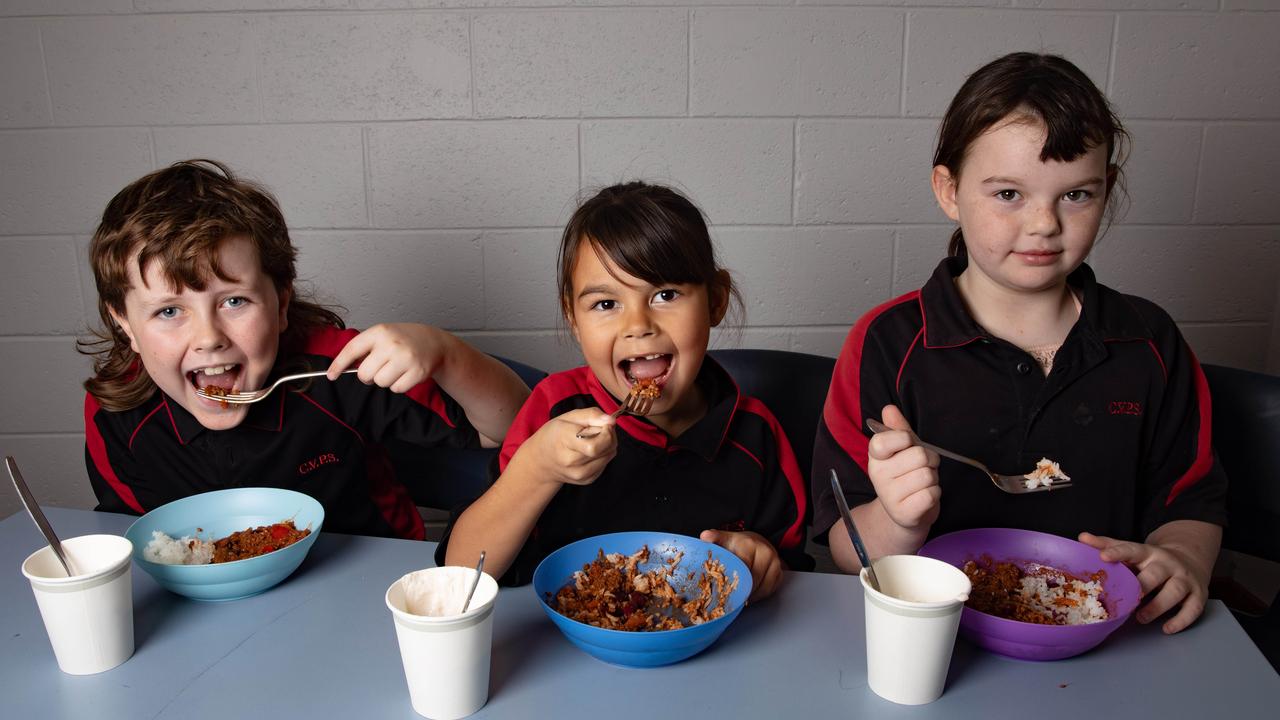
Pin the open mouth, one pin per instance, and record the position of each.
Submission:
(218, 376)
(654, 367)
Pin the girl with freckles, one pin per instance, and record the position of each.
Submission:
(1013, 352)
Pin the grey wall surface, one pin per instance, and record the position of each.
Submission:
(426, 153)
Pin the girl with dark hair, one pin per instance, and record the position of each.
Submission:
(640, 288)
(1013, 352)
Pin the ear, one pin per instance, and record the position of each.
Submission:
(1113, 174)
(944, 189)
(286, 294)
(123, 324)
(718, 297)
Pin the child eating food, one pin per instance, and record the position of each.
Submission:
(195, 275)
(640, 289)
(1012, 353)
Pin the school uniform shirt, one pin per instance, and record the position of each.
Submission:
(1124, 410)
(322, 441)
(732, 470)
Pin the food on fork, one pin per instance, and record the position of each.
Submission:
(647, 388)
(217, 391)
(1045, 473)
(611, 592)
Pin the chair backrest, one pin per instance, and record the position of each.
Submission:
(1246, 437)
(447, 477)
(792, 384)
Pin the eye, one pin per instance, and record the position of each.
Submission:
(235, 302)
(665, 296)
(1078, 196)
(604, 304)
(1007, 195)
(167, 313)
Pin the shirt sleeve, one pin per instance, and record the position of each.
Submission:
(863, 382)
(425, 415)
(113, 475)
(1181, 477)
(782, 505)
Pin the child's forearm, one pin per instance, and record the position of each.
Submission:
(880, 534)
(489, 392)
(500, 521)
(1199, 541)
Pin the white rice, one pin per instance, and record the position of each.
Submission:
(186, 550)
(1069, 601)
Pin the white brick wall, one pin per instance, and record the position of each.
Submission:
(426, 153)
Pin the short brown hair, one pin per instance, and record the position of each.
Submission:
(178, 217)
(1047, 88)
(649, 231)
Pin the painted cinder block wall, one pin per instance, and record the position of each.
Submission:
(426, 153)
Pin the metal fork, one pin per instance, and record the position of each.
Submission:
(253, 396)
(1013, 484)
(636, 403)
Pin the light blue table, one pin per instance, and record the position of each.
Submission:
(322, 645)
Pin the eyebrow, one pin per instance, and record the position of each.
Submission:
(595, 290)
(1001, 180)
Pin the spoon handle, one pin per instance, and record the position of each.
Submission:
(33, 509)
(853, 531)
(474, 582)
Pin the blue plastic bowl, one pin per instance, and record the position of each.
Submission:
(218, 514)
(640, 649)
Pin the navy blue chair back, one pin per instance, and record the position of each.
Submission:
(1246, 437)
(444, 478)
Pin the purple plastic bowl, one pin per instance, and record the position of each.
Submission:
(1030, 641)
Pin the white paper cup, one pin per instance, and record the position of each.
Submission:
(89, 616)
(911, 626)
(446, 658)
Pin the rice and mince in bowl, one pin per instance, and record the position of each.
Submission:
(1035, 593)
(241, 545)
(611, 592)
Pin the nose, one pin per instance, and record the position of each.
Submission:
(637, 322)
(1044, 220)
(208, 333)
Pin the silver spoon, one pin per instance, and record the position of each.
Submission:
(853, 532)
(33, 509)
(474, 582)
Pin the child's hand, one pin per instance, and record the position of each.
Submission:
(1168, 568)
(759, 555)
(904, 474)
(559, 455)
(394, 355)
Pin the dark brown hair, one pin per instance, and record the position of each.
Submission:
(649, 231)
(1046, 88)
(177, 217)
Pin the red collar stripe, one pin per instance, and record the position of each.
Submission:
(1204, 435)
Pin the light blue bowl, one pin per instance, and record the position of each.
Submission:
(218, 514)
(640, 649)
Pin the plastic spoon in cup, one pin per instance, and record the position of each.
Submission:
(33, 509)
(474, 582)
(853, 532)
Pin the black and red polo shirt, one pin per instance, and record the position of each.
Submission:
(1125, 411)
(323, 441)
(733, 470)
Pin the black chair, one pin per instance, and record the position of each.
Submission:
(1246, 437)
(793, 386)
(444, 478)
